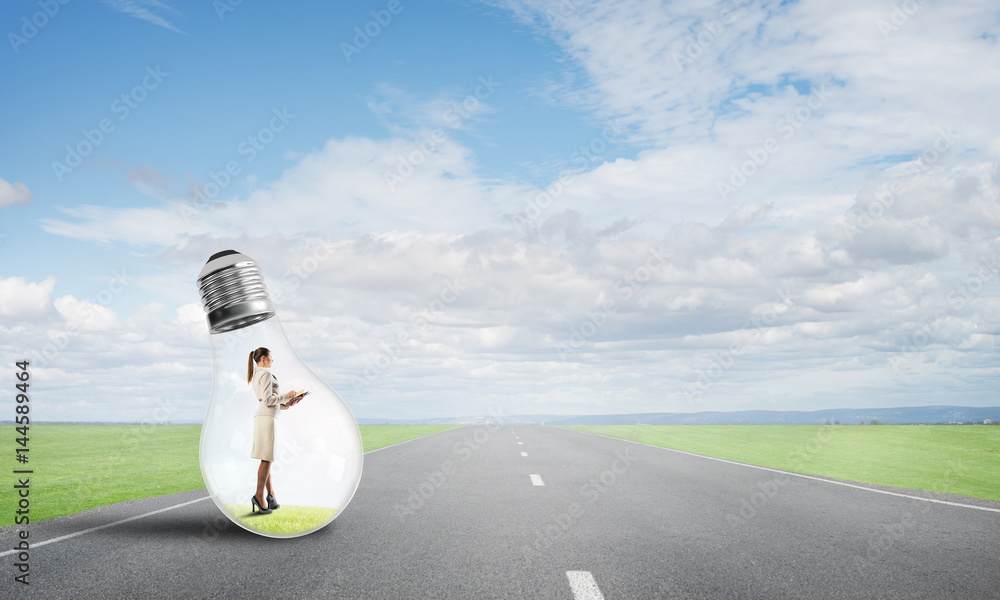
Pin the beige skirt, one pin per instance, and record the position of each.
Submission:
(263, 438)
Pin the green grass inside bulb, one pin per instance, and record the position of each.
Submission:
(286, 520)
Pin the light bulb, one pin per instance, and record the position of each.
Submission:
(317, 450)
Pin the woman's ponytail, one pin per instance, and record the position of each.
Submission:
(255, 357)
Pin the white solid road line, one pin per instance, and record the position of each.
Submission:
(834, 482)
(536, 479)
(524, 454)
(73, 535)
(583, 585)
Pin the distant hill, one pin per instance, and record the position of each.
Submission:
(846, 416)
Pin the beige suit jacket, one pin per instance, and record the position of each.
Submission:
(265, 387)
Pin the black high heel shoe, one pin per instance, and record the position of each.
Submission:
(255, 506)
(272, 504)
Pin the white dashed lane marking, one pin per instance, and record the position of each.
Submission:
(524, 454)
(536, 479)
(583, 585)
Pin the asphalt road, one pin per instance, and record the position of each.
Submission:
(460, 515)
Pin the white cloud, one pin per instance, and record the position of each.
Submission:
(819, 311)
(404, 114)
(143, 10)
(20, 298)
(13, 193)
(343, 187)
(82, 315)
(190, 314)
(347, 296)
(671, 69)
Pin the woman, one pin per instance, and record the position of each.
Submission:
(265, 387)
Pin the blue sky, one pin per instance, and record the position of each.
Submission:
(637, 206)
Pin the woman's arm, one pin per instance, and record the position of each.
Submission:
(270, 395)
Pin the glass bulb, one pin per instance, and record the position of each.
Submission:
(317, 450)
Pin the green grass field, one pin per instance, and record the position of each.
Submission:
(380, 436)
(961, 459)
(85, 466)
(286, 520)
